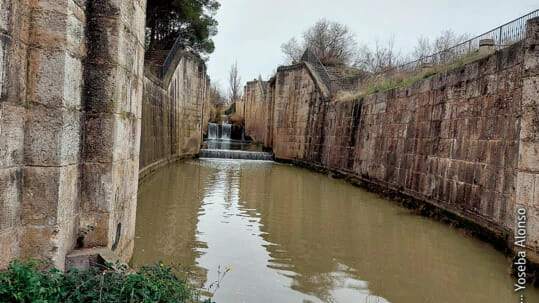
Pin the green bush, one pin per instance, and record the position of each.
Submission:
(35, 281)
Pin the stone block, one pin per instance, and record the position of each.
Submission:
(39, 242)
(52, 136)
(509, 178)
(533, 228)
(41, 195)
(139, 21)
(99, 235)
(9, 241)
(530, 92)
(56, 78)
(124, 138)
(511, 129)
(10, 197)
(98, 190)
(536, 195)
(84, 259)
(14, 74)
(100, 137)
(482, 151)
(69, 193)
(127, 52)
(49, 20)
(488, 65)
(13, 15)
(11, 135)
(68, 231)
(3, 64)
(5, 9)
(529, 125)
(103, 41)
(111, 89)
(480, 174)
(495, 179)
(459, 149)
(525, 188)
(495, 153)
(453, 170)
(529, 156)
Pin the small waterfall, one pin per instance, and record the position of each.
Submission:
(226, 129)
(213, 131)
(221, 145)
(235, 154)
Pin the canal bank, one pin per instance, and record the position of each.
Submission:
(463, 139)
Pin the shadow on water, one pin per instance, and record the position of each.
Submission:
(291, 235)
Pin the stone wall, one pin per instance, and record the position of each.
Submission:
(254, 109)
(70, 95)
(14, 40)
(465, 140)
(173, 109)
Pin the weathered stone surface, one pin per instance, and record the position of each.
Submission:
(253, 109)
(10, 198)
(174, 113)
(52, 136)
(47, 143)
(465, 139)
(9, 241)
(11, 135)
(41, 196)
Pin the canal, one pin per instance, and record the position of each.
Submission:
(291, 235)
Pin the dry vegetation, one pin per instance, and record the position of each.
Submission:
(390, 80)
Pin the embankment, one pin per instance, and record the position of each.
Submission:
(174, 107)
(465, 140)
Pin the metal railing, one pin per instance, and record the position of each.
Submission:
(309, 56)
(170, 57)
(502, 36)
(262, 85)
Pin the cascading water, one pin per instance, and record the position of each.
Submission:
(213, 131)
(221, 145)
(226, 130)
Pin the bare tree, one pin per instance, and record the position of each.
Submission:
(441, 46)
(382, 57)
(422, 49)
(216, 96)
(234, 82)
(292, 50)
(333, 43)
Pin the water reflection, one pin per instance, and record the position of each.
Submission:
(292, 236)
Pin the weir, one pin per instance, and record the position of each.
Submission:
(235, 154)
(221, 131)
(220, 145)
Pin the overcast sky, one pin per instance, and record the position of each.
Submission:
(252, 31)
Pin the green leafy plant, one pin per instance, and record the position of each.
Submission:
(37, 281)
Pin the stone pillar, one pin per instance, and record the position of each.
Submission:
(486, 46)
(14, 24)
(112, 105)
(51, 193)
(527, 187)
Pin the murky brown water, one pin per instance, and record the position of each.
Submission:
(291, 235)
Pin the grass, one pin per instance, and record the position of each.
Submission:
(399, 79)
(37, 281)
